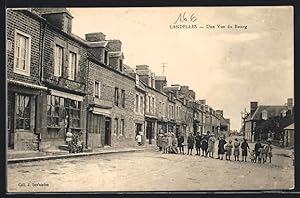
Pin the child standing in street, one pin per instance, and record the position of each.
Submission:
(164, 143)
(236, 151)
(228, 149)
(139, 139)
(190, 142)
(252, 156)
(204, 146)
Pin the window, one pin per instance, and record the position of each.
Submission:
(152, 105)
(116, 96)
(160, 107)
(264, 115)
(283, 113)
(23, 111)
(123, 98)
(149, 104)
(137, 103)
(97, 89)
(116, 126)
(122, 127)
(67, 25)
(55, 106)
(121, 65)
(141, 105)
(73, 110)
(58, 108)
(106, 58)
(58, 60)
(22, 53)
(72, 65)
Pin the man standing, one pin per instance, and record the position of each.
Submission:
(180, 143)
(245, 148)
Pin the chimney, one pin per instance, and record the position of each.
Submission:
(95, 37)
(203, 102)
(290, 103)
(192, 94)
(98, 44)
(160, 82)
(220, 112)
(253, 107)
(59, 17)
(144, 73)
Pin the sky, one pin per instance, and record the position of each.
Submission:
(229, 67)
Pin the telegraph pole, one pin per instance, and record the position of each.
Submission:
(163, 66)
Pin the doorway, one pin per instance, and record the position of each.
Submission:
(149, 132)
(107, 139)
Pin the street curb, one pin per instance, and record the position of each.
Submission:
(52, 157)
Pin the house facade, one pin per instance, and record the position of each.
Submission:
(265, 121)
(110, 98)
(23, 79)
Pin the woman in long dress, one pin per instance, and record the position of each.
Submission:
(221, 149)
(211, 146)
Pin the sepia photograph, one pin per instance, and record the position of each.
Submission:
(155, 99)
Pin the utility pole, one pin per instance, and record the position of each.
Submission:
(163, 66)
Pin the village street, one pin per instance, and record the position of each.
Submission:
(150, 171)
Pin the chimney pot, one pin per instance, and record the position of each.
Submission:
(95, 36)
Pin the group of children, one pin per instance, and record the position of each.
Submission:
(168, 143)
(261, 152)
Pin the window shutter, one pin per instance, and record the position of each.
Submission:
(54, 61)
(147, 103)
(78, 68)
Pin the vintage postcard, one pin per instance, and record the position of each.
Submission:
(150, 99)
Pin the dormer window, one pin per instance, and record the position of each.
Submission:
(68, 25)
(106, 58)
(283, 113)
(264, 115)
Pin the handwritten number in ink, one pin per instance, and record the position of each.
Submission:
(182, 18)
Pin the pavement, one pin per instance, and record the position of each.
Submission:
(28, 156)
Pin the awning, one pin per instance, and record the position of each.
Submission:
(29, 85)
(100, 111)
(66, 95)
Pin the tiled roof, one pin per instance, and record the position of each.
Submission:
(273, 110)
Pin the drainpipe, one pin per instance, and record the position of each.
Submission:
(87, 109)
(42, 31)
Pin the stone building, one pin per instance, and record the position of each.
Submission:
(64, 73)
(111, 94)
(264, 120)
(24, 83)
